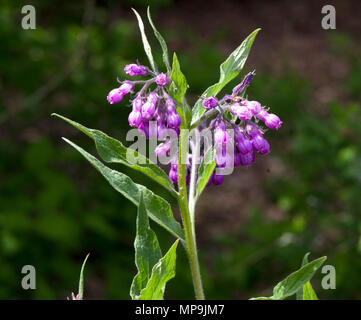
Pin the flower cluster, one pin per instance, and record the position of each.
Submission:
(234, 113)
(148, 105)
(243, 118)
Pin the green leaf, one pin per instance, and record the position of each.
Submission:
(295, 281)
(113, 151)
(177, 91)
(261, 298)
(147, 251)
(81, 279)
(179, 85)
(205, 170)
(146, 45)
(306, 292)
(161, 41)
(162, 272)
(157, 208)
(229, 69)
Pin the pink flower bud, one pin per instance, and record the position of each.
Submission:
(260, 144)
(161, 80)
(173, 173)
(135, 118)
(163, 149)
(272, 121)
(173, 120)
(115, 96)
(254, 106)
(136, 70)
(148, 108)
(137, 104)
(210, 103)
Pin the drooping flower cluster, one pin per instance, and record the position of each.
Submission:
(148, 105)
(243, 118)
(236, 128)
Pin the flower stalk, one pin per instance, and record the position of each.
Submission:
(188, 222)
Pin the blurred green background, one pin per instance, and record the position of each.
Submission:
(253, 230)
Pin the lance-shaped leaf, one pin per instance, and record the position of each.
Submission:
(81, 279)
(295, 281)
(177, 90)
(157, 208)
(113, 151)
(179, 85)
(146, 45)
(147, 251)
(205, 170)
(162, 272)
(306, 292)
(229, 69)
(161, 41)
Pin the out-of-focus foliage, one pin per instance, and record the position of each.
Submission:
(54, 208)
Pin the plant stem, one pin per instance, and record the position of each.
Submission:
(186, 218)
(192, 184)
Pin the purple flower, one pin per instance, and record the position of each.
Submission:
(116, 95)
(170, 104)
(218, 179)
(243, 144)
(254, 106)
(148, 108)
(137, 104)
(247, 159)
(144, 127)
(161, 80)
(237, 90)
(241, 111)
(210, 103)
(173, 173)
(262, 115)
(220, 133)
(136, 70)
(237, 158)
(173, 120)
(163, 149)
(252, 129)
(272, 121)
(223, 158)
(135, 118)
(260, 144)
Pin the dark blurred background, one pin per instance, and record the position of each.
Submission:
(253, 230)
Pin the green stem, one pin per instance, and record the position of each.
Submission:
(186, 218)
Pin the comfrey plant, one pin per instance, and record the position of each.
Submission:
(200, 145)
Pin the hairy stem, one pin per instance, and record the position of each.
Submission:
(186, 218)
